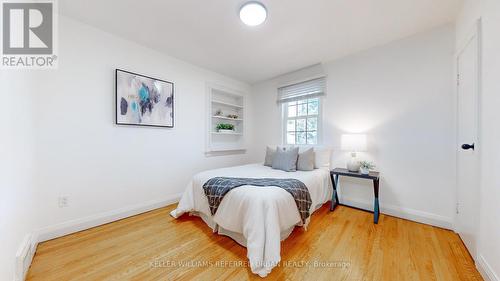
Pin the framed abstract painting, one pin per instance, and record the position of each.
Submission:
(143, 100)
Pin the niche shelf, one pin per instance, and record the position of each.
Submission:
(222, 105)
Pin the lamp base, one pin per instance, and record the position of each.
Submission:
(353, 164)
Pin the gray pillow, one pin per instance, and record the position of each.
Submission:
(286, 159)
(269, 156)
(306, 160)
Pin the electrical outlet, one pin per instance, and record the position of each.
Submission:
(63, 201)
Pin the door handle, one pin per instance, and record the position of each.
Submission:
(467, 146)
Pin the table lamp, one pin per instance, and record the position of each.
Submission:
(353, 143)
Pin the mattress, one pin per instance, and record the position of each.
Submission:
(255, 217)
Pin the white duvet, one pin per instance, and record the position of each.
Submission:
(262, 215)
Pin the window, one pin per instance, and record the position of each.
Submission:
(301, 121)
(301, 103)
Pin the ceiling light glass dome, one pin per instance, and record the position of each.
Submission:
(253, 13)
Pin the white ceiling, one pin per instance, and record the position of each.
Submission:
(297, 33)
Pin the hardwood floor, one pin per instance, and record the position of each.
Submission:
(153, 246)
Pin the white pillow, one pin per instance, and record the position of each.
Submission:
(322, 154)
(286, 159)
(268, 161)
(322, 157)
(305, 162)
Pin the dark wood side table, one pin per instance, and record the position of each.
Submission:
(375, 176)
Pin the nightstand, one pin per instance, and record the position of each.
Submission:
(374, 176)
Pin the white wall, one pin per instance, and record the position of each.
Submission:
(401, 95)
(488, 253)
(64, 138)
(17, 163)
(99, 165)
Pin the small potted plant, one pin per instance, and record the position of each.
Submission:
(365, 167)
(225, 128)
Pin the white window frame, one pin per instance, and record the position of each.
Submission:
(285, 118)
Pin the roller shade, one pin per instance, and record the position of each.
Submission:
(307, 89)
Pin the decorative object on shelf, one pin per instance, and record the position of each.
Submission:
(365, 167)
(226, 106)
(225, 128)
(143, 100)
(353, 143)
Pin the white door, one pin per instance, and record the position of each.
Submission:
(467, 148)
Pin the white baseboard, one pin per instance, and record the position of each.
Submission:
(485, 269)
(73, 226)
(404, 213)
(24, 256)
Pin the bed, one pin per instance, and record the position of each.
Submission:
(258, 218)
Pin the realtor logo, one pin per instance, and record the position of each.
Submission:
(28, 33)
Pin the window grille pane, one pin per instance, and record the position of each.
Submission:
(312, 137)
(301, 125)
(301, 138)
(290, 126)
(313, 106)
(312, 124)
(302, 109)
(292, 111)
(302, 118)
(290, 138)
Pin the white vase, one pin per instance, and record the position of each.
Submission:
(225, 131)
(364, 171)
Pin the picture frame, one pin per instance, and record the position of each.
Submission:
(142, 100)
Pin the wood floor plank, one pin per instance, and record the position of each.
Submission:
(339, 245)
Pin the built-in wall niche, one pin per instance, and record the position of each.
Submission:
(226, 119)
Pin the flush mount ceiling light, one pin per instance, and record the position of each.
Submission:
(253, 13)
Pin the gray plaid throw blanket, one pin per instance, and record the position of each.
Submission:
(216, 188)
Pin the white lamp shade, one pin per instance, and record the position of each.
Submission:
(353, 142)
